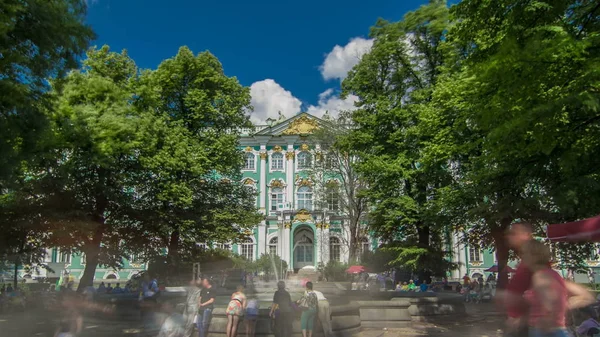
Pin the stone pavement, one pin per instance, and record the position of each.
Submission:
(481, 321)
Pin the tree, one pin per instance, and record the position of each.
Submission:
(88, 175)
(339, 188)
(195, 193)
(39, 40)
(521, 90)
(394, 83)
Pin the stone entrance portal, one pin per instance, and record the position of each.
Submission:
(304, 248)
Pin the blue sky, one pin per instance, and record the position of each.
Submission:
(292, 54)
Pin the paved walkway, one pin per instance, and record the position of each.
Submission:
(481, 321)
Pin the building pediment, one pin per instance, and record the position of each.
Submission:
(301, 124)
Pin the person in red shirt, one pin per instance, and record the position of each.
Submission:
(516, 307)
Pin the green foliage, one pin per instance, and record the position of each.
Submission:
(335, 271)
(268, 265)
(379, 260)
(394, 82)
(39, 40)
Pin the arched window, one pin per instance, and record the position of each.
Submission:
(334, 249)
(365, 245)
(277, 161)
(304, 197)
(273, 246)
(247, 249)
(249, 161)
(304, 160)
(276, 197)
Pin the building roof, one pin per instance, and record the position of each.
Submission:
(301, 124)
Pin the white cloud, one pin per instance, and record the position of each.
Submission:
(340, 60)
(331, 103)
(268, 98)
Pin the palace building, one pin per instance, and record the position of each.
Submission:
(302, 225)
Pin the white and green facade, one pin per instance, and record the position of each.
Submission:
(301, 229)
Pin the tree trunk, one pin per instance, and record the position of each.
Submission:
(502, 251)
(173, 253)
(92, 256)
(91, 263)
(353, 244)
(15, 278)
(424, 236)
(424, 233)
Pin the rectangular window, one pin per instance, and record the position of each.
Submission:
(304, 160)
(249, 161)
(335, 252)
(65, 257)
(248, 251)
(277, 161)
(333, 200)
(475, 254)
(276, 198)
(304, 197)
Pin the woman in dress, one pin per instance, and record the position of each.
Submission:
(235, 310)
(549, 296)
(308, 304)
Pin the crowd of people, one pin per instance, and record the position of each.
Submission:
(200, 304)
(477, 290)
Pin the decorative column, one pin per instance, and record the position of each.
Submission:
(287, 245)
(263, 178)
(457, 253)
(325, 238)
(262, 238)
(289, 175)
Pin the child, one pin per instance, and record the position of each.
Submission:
(251, 316)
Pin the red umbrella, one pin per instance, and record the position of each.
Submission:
(494, 269)
(577, 231)
(356, 269)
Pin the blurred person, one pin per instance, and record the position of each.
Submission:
(109, 288)
(518, 235)
(399, 286)
(550, 296)
(466, 280)
(252, 309)
(324, 313)
(101, 288)
(71, 323)
(411, 285)
(235, 311)
(404, 286)
(191, 307)
(423, 287)
(205, 307)
(309, 304)
(590, 325)
(174, 324)
(281, 311)
(117, 289)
